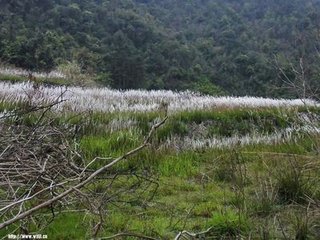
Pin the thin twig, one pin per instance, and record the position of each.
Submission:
(84, 182)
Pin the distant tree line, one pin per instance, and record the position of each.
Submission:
(212, 46)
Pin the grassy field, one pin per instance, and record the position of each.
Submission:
(230, 172)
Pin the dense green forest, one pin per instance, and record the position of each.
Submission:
(213, 46)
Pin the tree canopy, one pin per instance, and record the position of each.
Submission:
(209, 45)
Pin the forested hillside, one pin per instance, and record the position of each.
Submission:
(213, 46)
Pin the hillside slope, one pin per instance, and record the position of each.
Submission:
(172, 44)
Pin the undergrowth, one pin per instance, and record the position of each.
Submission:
(256, 191)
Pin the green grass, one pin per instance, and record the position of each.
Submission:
(181, 165)
(12, 78)
(9, 106)
(74, 224)
(229, 224)
(112, 144)
(228, 122)
(240, 192)
(232, 192)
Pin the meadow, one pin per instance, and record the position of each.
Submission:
(219, 167)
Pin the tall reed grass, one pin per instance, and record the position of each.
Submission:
(108, 100)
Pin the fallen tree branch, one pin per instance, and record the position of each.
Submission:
(186, 234)
(31, 197)
(83, 182)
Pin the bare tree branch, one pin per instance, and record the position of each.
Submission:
(83, 182)
(188, 235)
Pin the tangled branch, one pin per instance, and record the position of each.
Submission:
(39, 169)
